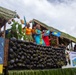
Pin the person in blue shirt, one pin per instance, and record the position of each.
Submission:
(38, 35)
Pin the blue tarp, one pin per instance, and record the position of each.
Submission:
(1, 50)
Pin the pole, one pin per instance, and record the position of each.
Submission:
(5, 64)
(4, 30)
(57, 41)
(71, 46)
(0, 28)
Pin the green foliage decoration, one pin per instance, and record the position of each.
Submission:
(15, 31)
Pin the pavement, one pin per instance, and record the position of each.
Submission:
(68, 66)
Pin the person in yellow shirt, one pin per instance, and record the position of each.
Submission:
(28, 32)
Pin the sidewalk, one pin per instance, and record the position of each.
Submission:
(68, 66)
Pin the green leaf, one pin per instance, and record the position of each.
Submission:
(20, 28)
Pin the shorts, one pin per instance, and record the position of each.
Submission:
(28, 38)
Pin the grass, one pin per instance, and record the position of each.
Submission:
(70, 71)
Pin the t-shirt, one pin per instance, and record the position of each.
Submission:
(28, 31)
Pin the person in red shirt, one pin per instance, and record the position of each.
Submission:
(46, 38)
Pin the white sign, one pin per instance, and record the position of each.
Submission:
(73, 58)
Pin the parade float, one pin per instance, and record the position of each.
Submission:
(21, 57)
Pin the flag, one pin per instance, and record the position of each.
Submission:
(24, 21)
(47, 33)
(55, 33)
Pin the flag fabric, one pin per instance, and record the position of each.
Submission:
(24, 21)
(47, 33)
(55, 33)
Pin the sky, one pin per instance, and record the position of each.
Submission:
(60, 14)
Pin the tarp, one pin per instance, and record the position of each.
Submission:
(1, 53)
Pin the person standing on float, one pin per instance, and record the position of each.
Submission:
(46, 37)
(38, 35)
(28, 32)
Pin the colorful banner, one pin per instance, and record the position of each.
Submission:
(1, 53)
(73, 58)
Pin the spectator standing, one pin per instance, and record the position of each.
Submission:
(75, 47)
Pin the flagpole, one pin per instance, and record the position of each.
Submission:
(57, 39)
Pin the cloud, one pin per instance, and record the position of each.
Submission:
(60, 14)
